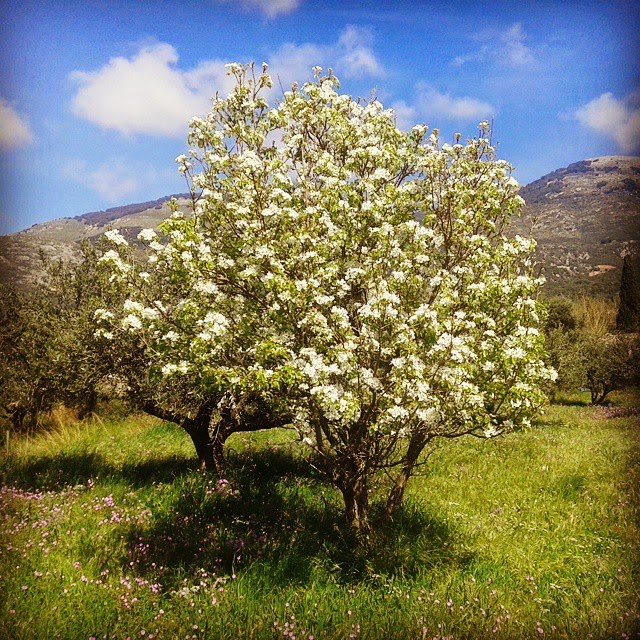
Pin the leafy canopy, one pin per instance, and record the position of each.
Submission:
(353, 275)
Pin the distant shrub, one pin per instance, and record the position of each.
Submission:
(561, 337)
(595, 315)
(628, 318)
(560, 315)
(610, 363)
(583, 347)
(47, 347)
(23, 386)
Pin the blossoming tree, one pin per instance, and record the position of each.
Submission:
(343, 276)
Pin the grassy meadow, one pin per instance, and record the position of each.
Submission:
(108, 531)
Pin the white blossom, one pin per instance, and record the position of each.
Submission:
(132, 323)
(116, 237)
(102, 315)
(147, 235)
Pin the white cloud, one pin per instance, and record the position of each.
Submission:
(14, 129)
(516, 53)
(507, 48)
(406, 115)
(619, 119)
(444, 105)
(270, 8)
(351, 56)
(293, 63)
(431, 106)
(354, 54)
(148, 93)
(115, 180)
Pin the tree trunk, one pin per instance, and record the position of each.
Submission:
(356, 501)
(396, 495)
(199, 434)
(249, 414)
(209, 453)
(217, 452)
(88, 406)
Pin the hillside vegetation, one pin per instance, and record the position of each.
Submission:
(585, 217)
(60, 239)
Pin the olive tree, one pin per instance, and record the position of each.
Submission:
(342, 276)
(564, 344)
(47, 347)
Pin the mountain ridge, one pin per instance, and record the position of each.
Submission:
(585, 217)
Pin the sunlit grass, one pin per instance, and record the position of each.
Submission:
(109, 530)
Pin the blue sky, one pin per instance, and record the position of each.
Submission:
(95, 96)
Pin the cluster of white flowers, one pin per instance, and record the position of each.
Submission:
(102, 315)
(171, 368)
(131, 322)
(213, 325)
(147, 235)
(306, 268)
(113, 258)
(116, 237)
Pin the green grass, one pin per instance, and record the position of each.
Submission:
(108, 530)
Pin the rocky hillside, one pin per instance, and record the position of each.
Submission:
(20, 261)
(585, 218)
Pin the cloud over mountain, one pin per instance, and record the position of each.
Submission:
(432, 106)
(619, 119)
(14, 129)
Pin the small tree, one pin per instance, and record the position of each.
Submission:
(628, 318)
(47, 344)
(564, 344)
(584, 350)
(340, 275)
(23, 377)
(611, 361)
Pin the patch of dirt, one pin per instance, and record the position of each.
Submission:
(601, 268)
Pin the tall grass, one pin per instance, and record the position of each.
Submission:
(109, 531)
(598, 315)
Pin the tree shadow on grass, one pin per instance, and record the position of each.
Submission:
(274, 516)
(70, 469)
(572, 400)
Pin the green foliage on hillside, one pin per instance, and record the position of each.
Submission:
(47, 346)
(584, 348)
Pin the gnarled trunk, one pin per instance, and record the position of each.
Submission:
(396, 495)
(356, 502)
(209, 452)
(199, 434)
(248, 414)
